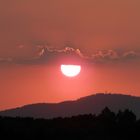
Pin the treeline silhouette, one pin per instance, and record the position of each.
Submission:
(106, 125)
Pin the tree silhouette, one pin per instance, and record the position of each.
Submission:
(107, 115)
(106, 125)
(127, 117)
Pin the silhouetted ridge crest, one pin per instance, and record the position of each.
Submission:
(90, 104)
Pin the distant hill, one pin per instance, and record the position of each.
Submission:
(86, 105)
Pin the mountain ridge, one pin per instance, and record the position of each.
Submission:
(85, 105)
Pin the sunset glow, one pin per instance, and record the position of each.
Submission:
(70, 70)
(59, 50)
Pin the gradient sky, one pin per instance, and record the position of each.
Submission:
(106, 34)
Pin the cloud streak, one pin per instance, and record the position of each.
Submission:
(99, 56)
(45, 54)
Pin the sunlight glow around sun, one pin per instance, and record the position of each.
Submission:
(70, 70)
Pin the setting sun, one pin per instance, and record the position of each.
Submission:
(70, 70)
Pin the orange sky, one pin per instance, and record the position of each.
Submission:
(25, 84)
(90, 25)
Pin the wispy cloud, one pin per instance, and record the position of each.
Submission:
(46, 54)
(66, 51)
(6, 60)
(131, 55)
(112, 55)
(99, 56)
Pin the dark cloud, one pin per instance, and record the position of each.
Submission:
(131, 55)
(68, 54)
(45, 54)
(6, 60)
(112, 55)
(43, 51)
(105, 55)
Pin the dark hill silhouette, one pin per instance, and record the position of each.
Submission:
(105, 126)
(86, 105)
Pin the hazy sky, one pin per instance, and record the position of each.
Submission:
(88, 24)
(105, 33)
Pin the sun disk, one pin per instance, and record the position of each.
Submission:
(70, 70)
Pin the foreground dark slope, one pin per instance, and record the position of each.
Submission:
(90, 104)
(105, 126)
